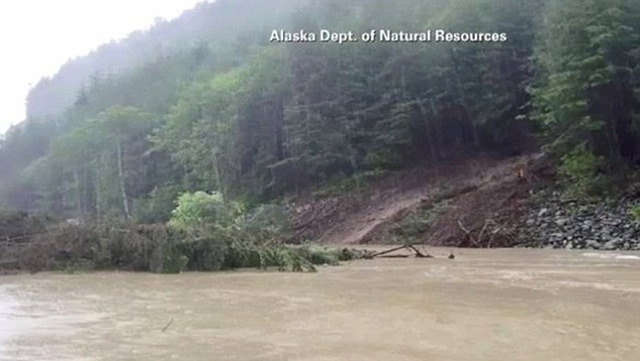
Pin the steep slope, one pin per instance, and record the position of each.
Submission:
(469, 194)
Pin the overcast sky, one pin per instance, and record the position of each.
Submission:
(39, 36)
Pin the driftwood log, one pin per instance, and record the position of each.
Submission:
(410, 247)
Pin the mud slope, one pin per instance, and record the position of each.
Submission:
(483, 199)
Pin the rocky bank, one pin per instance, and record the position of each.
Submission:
(554, 222)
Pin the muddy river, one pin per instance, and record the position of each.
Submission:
(483, 305)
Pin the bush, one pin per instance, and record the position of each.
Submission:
(584, 171)
(635, 213)
(199, 209)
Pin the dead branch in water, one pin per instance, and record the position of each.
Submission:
(387, 251)
(468, 233)
(484, 227)
(488, 224)
(418, 253)
(168, 324)
(498, 230)
(409, 247)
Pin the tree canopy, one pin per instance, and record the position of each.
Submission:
(206, 103)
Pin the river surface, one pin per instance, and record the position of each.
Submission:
(508, 304)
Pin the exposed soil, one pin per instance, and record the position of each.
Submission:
(484, 199)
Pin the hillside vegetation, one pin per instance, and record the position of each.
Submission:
(205, 103)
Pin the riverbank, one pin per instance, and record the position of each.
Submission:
(160, 249)
(554, 222)
(466, 203)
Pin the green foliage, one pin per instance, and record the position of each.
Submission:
(199, 209)
(584, 91)
(257, 121)
(162, 249)
(584, 171)
(635, 213)
(267, 256)
(225, 117)
(199, 132)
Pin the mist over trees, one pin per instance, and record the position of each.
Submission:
(206, 103)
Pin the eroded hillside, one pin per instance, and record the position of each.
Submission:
(472, 202)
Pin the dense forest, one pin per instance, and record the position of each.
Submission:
(207, 103)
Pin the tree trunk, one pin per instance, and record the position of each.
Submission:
(123, 187)
(428, 128)
(76, 177)
(218, 173)
(97, 187)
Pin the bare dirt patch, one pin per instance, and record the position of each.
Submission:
(485, 198)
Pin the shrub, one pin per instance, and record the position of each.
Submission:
(635, 213)
(200, 208)
(584, 172)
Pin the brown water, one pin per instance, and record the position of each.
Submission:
(484, 305)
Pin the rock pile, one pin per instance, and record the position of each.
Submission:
(557, 223)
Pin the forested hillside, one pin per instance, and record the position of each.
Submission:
(216, 25)
(206, 103)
